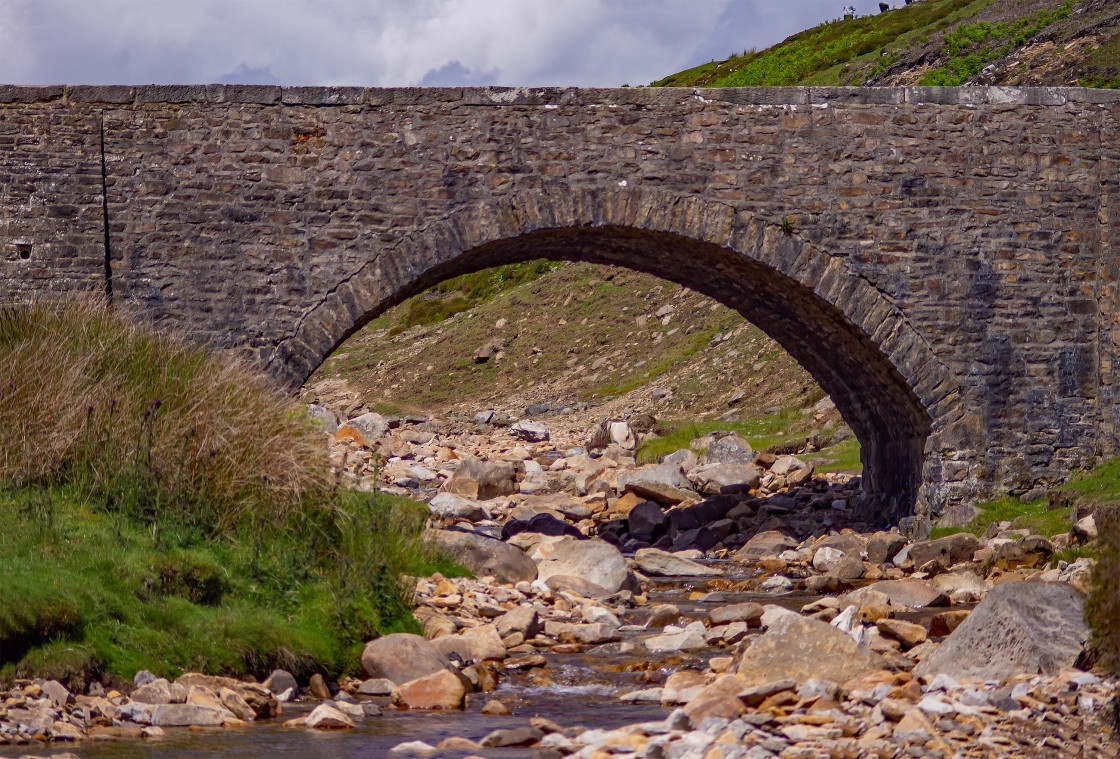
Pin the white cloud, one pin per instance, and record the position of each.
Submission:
(385, 42)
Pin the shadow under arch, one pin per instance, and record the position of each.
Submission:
(886, 382)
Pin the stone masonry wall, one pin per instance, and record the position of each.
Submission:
(939, 259)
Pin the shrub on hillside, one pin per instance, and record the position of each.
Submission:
(143, 421)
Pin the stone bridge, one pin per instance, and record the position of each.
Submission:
(940, 260)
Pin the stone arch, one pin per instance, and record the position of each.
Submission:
(886, 381)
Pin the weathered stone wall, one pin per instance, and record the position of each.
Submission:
(939, 259)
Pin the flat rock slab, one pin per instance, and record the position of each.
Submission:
(913, 593)
(186, 715)
(763, 545)
(1019, 628)
(486, 556)
(802, 649)
(653, 561)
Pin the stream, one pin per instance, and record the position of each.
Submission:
(574, 689)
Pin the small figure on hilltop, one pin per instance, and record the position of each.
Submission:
(849, 12)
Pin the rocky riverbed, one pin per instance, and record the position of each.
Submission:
(730, 600)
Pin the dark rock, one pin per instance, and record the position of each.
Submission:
(647, 521)
(544, 524)
(280, 681)
(884, 546)
(534, 409)
(484, 555)
(947, 551)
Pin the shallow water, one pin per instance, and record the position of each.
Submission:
(574, 689)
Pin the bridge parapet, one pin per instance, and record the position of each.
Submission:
(239, 94)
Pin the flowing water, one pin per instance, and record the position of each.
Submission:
(574, 689)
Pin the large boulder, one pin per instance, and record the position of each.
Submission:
(473, 645)
(915, 594)
(364, 429)
(451, 506)
(664, 564)
(664, 483)
(729, 449)
(764, 545)
(439, 690)
(801, 649)
(947, 551)
(594, 560)
(533, 432)
(402, 657)
(483, 480)
(1019, 628)
(723, 479)
(486, 556)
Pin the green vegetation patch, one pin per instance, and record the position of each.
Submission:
(462, 293)
(830, 45)
(1036, 516)
(167, 510)
(972, 46)
(785, 429)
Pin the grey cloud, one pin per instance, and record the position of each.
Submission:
(386, 42)
(455, 74)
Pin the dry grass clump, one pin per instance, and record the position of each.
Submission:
(147, 422)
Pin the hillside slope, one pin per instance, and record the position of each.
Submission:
(938, 43)
(578, 335)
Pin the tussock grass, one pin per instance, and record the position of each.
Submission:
(89, 397)
(167, 510)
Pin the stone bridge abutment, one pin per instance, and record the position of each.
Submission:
(939, 260)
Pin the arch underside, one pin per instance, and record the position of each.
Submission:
(874, 398)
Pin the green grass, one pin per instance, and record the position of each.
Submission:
(819, 55)
(971, 46)
(169, 511)
(846, 453)
(762, 433)
(98, 590)
(1035, 516)
(1101, 483)
(462, 293)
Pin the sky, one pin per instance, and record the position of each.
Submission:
(387, 43)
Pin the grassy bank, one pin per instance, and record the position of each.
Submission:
(783, 431)
(934, 43)
(167, 510)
